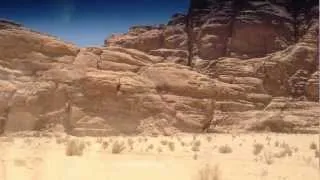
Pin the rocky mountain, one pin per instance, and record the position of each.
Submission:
(254, 66)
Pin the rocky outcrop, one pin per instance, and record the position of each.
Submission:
(248, 61)
(237, 28)
(98, 91)
(282, 35)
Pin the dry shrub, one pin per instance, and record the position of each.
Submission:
(164, 142)
(268, 158)
(226, 149)
(313, 146)
(209, 172)
(159, 149)
(117, 147)
(171, 146)
(105, 145)
(197, 143)
(257, 148)
(195, 148)
(150, 147)
(75, 148)
(183, 143)
(194, 137)
(209, 138)
(286, 151)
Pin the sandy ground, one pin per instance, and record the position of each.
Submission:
(181, 157)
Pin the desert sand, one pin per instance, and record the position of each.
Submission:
(180, 157)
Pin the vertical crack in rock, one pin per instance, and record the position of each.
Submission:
(99, 61)
(68, 110)
(237, 6)
(118, 87)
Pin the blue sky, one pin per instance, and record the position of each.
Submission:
(89, 22)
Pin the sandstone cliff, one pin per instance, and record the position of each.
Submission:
(257, 63)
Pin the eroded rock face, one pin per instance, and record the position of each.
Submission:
(278, 39)
(237, 28)
(250, 61)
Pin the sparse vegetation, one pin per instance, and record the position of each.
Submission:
(286, 151)
(226, 149)
(105, 145)
(209, 138)
(194, 137)
(197, 143)
(268, 158)
(195, 148)
(75, 148)
(313, 146)
(171, 146)
(183, 143)
(117, 147)
(164, 142)
(150, 147)
(209, 172)
(257, 148)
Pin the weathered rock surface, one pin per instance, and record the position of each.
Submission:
(256, 63)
